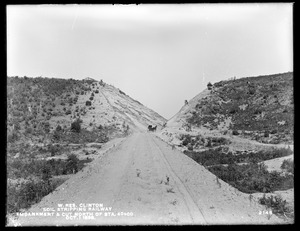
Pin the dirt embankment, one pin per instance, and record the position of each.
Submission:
(144, 181)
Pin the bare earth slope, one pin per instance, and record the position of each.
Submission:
(151, 183)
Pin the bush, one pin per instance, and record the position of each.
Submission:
(276, 203)
(209, 143)
(253, 178)
(75, 126)
(190, 147)
(28, 193)
(248, 178)
(58, 128)
(53, 150)
(274, 131)
(28, 130)
(252, 91)
(233, 111)
(217, 156)
(121, 92)
(88, 103)
(91, 98)
(12, 137)
(46, 172)
(235, 132)
(186, 140)
(57, 135)
(288, 165)
(266, 134)
(72, 165)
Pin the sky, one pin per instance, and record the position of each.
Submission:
(160, 55)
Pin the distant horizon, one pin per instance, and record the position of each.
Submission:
(158, 54)
(82, 78)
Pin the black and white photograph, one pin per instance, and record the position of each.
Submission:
(149, 114)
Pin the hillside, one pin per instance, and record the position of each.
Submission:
(225, 158)
(41, 104)
(241, 130)
(55, 127)
(257, 108)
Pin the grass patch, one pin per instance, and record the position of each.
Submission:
(248, 178)
(19, 168)
(217, 156)
(85, 136)
(251, 178)
(34, 179)
(25, 194)
(196, 141)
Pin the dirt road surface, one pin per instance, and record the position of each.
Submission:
(143, 181)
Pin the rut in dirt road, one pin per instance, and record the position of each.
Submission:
(144, 181)
(194, 211)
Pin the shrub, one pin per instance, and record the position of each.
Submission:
(91, 98)
(186, 140)
(121, 92)
(233, 111)
(68, 112)
(288, 165)
(248, 178)
(257, 111)
(252, 91)
(274, 131)
(28, 193)
(276, 203)
(72, 165)
(75, 126)
(266, 134)
(57, 135)
(190, 147)
(58, 128)
(46, 172)
(53, 150)
(252, 178)
(235, 132)
(209, 143)
(88, 103)
(28, 130)
(12, 137)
